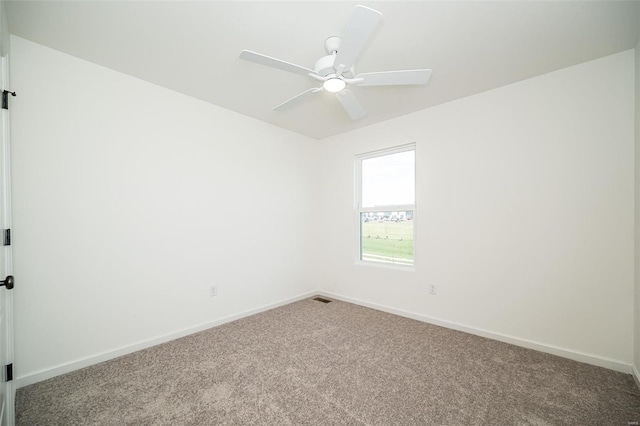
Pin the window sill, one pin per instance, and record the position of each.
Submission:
(404, 268)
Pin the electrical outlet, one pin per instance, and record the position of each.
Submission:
(433, 289)
(213, 291)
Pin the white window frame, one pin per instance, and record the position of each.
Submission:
(392, 207)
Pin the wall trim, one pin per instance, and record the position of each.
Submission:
(77, 364)
(596, 360)
(636, 375)
(612, 364)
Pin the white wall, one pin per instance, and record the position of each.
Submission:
(130, 200)
(525, 213)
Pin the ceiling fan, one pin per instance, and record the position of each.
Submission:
(336, 70)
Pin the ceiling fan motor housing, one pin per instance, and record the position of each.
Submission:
(324, 67)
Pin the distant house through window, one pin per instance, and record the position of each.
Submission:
(386, 205)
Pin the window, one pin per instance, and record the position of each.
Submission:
(386, 208)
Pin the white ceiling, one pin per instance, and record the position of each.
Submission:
(193, 47)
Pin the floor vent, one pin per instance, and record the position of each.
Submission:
(320, 299)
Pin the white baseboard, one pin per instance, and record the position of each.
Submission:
(599, 361)
(48, 373)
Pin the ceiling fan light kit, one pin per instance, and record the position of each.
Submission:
(336, 70)
(334, 85)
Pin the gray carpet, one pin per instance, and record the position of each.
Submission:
(310, 363)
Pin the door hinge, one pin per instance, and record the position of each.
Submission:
(8, 372)
(5, 98)
(7, 237)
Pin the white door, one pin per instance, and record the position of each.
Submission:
(7, 387)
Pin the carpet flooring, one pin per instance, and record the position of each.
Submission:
(311, 363)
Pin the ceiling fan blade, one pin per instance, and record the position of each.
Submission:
(394, 78)
(351, 104)
(261, 59)
(297, 99)
(359, 29)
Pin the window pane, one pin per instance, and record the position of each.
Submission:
(389, 180)
(387, 237)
